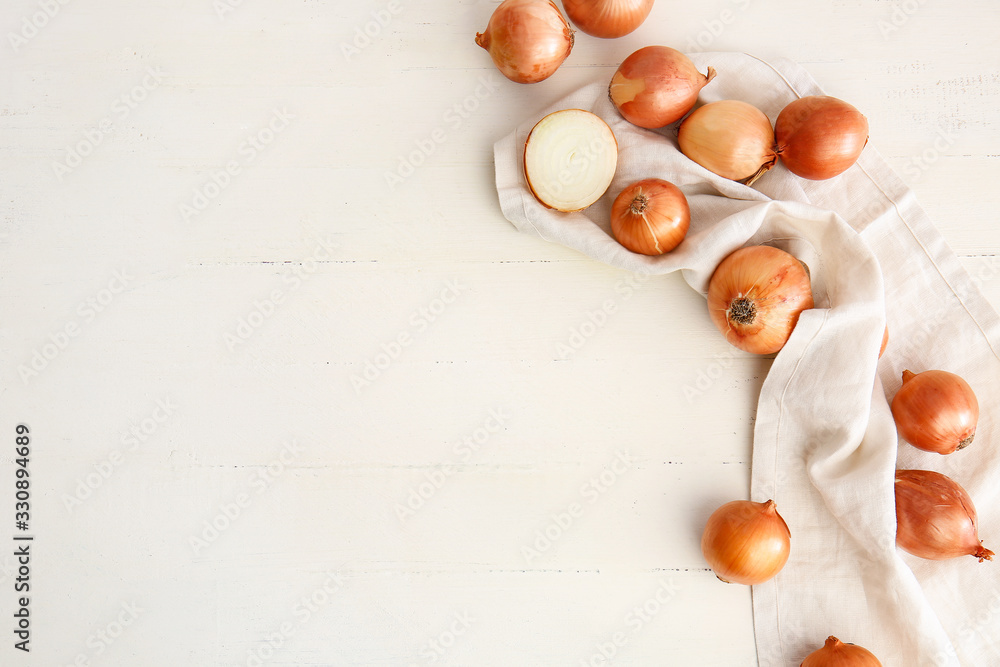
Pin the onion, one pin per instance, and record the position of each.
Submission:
(836, 653)
(570, 158)
(730, 138)
(936, 411)
(819, 136)
(885, 342)
(527, 39)
(935, 517)
(607, 18)
(650, 217)
(656, 86)
(755, 297)
(746, 542)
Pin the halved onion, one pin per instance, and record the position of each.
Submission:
(570, 158)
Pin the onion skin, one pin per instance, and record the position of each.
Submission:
(935, 517)
(820, 137)
(527, 39)
(936, 411)
(730, 138)
(746, 542)
(650, 217)
(607, 18)
(885, 342)
(836, 653)
(656, 85)
(755, 297)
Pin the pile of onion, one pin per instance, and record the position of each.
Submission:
(527, 39)
(746, 542)
(570, 158)
(935, 517)
(730, 138)
(836, 653)
(819, 136)
(607, 18)
(936, 411)
(755, 297)
(650, 217)
(656, 86)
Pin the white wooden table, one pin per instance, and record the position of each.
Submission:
(288, 410)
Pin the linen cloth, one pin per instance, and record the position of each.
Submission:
(825, 446)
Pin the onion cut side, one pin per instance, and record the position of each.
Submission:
(570, 158)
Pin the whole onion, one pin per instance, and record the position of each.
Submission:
(755, 297)
(527, 39)
(935, 517)
(746, 542)
(650, 216)
(730, 138)
(656, 86)
(936, 411)
(607, 18)
(819, 136)
(836, 653)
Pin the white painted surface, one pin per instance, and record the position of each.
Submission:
(329, 520)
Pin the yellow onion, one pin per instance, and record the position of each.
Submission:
(570, 158)
(836, 653)
(607, 18)
(755, 297)
(935, 517)
(746, 542)
(656, 86)
(527, 39)
(819, 136)
(650, 217)
(936, 411)
(730, 138)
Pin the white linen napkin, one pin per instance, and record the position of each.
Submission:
(825, 445)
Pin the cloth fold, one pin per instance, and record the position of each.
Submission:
(825, 445)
